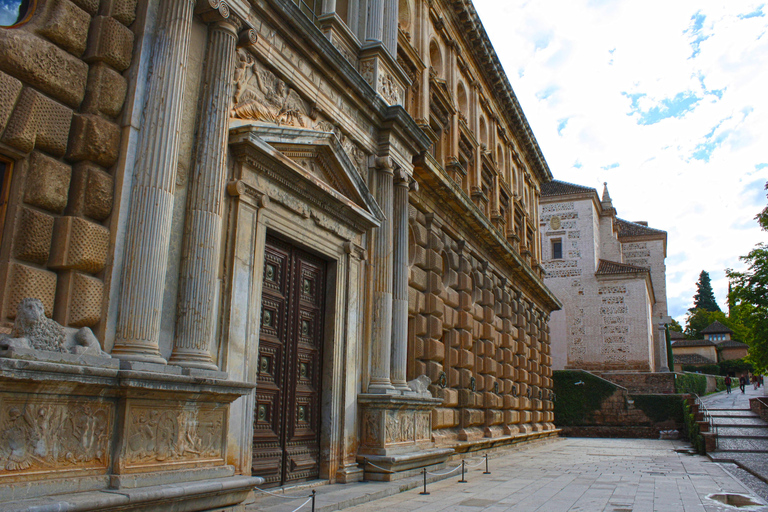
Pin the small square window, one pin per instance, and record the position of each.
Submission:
(557, 249)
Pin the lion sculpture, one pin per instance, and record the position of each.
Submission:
(33, 330)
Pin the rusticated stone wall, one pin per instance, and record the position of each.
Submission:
(61, 91)
(481, 340)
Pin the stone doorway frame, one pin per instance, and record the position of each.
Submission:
(270, 192)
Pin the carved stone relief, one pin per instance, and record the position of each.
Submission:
(399, 427)
(39, 434)
(371, 430)
(262, 96)
(158, 435)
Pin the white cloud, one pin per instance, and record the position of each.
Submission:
(577, 65)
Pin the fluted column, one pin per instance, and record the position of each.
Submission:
(390, 26)
(381, 335)
(400, 282)
(374, 25)
(154, 178)
(202, 230)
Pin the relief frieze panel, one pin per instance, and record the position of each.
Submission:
(39, 434)
(167, 435)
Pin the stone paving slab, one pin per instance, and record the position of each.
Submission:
(569, 475)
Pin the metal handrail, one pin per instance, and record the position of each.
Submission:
(707, 417)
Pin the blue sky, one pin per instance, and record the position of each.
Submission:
(665, 101)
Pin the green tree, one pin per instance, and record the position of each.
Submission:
(705, 298)
(675, 326)
(699, 319)
(749, 296)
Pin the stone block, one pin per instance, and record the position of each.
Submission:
(451, 338)
(465, 321)
(94, 138)
(510, 402)
(123, 11)
(91, 193)
(434, 305)
(110, 42)
(78, 300)
(43, 65)
(434, 327)
(38, 122)
(435, 243)
(508, 371)
(105, 91)
(89, 6)
(10, 88)
(434, 350)
(450, 317)
(65, 24)
(418, 279)
(434, 261)
(511, 417)
(420, 325)
(79, 245)
(466, 359)
(450, 397)
(450, 297)
(466, 339)
(32, 241)
(420, 234)
(26, 282)
(419, 256)
(464, 282)
(433, 370)
(47, 183)
(472, 417)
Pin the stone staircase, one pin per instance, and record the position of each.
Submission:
(741, 437)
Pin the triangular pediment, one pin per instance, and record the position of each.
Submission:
(315, 158)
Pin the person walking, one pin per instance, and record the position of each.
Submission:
(728, 384)
(742, 383)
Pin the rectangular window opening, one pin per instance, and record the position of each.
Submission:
(557, 249)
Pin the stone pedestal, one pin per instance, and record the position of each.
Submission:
(78, 424)
(383, 73)
(396, 439)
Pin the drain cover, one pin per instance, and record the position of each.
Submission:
(734, 500)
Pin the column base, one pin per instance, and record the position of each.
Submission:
(138, 352)
(193, 359)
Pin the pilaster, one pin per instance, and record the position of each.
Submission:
(202, 230)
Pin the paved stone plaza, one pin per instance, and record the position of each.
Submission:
(576, 474)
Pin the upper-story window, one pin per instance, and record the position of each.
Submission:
(557, 249)
(461, 99)
(311, 8)
(436, 58)
(15, 12)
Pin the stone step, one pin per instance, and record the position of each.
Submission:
(741, 444)
(742, 431)
(738, 422)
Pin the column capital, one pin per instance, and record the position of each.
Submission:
(384, 164)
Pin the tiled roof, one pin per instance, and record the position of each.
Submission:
(606, 267)
(693, 343)
(627, 228)
(563, 188)
(691, 359)
(676, 335)
(716, 328)
(732, 344)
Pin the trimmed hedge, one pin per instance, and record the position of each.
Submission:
(691, 383)
(576, 404)
(692, 430)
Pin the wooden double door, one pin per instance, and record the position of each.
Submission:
(286, 440)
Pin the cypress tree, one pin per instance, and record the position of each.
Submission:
(705, 298)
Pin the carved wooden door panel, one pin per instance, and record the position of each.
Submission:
(286, 441)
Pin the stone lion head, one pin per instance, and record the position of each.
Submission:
(29, 313)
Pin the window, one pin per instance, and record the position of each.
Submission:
(15, 12)
(557, 249)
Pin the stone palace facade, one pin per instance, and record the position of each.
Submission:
(610, 275)
(260, 243)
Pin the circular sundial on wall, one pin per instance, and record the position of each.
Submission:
(554, 222)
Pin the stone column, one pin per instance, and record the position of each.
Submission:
(195, 325)
(390, 26)
(381, 335)
(374, 25)
(154, 180)
(400, 282)
(663, 348)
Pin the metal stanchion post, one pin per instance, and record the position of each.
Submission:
(314, 493)
(462, 481)
(486, 472)
(424, 471)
